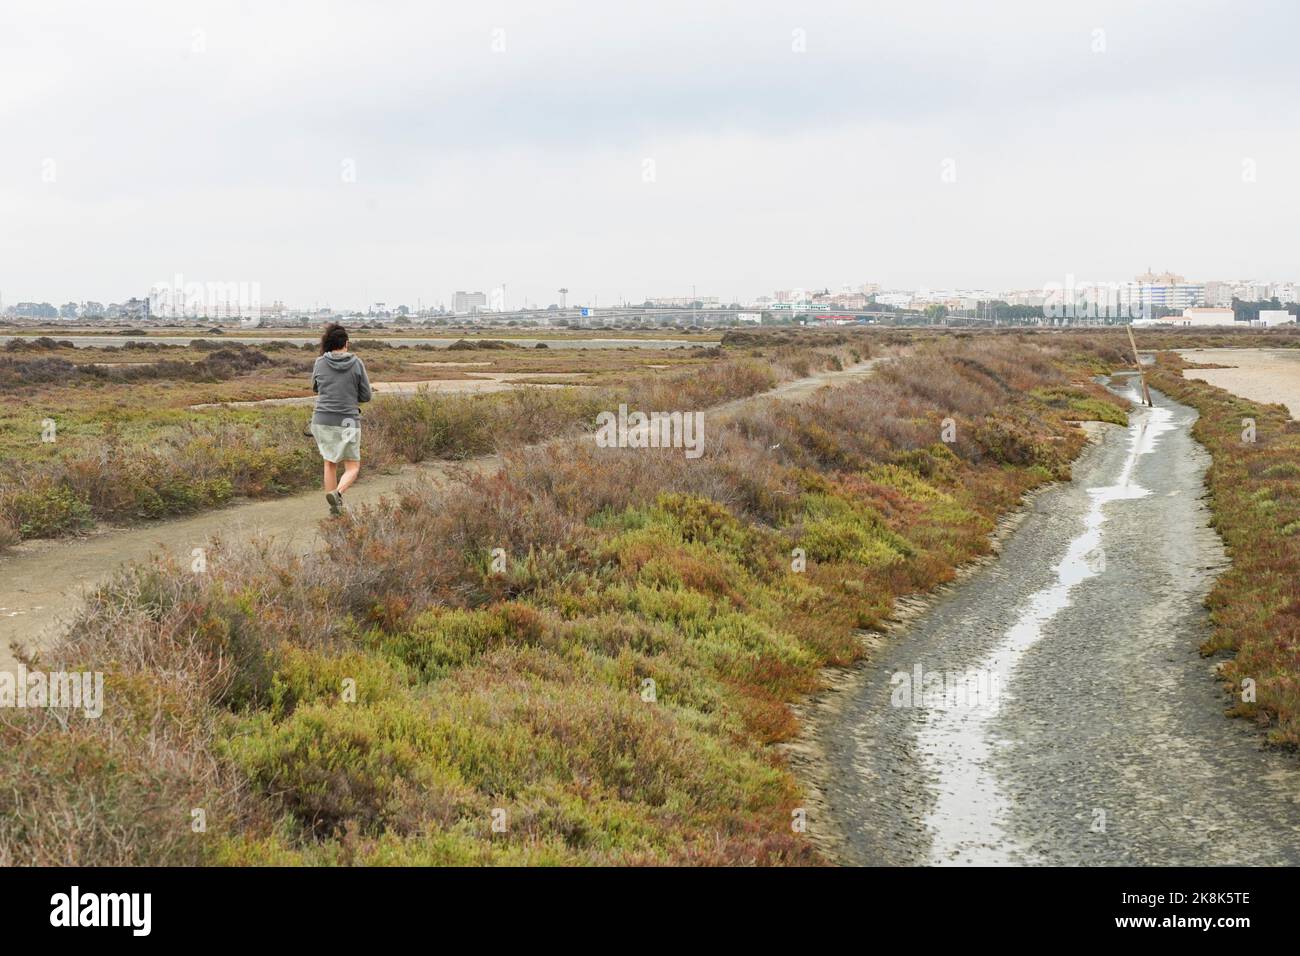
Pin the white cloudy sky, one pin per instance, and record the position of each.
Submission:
(210, 140)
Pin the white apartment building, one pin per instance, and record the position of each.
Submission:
(463, 302)
(1219, 293)
(1222, 291)
(1164, 296)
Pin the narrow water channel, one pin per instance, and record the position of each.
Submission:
(1059, 712)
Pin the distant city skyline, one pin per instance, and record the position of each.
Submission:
(494, 298)
(1166, 288)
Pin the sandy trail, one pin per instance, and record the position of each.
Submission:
(481, 383)
(44, 582)
(1262, 375)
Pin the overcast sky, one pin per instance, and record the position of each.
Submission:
(347, 153)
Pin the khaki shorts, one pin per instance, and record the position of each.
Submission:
(338, 442)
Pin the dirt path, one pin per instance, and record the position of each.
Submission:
(43, 582)
(482, 383)
(1099, 738)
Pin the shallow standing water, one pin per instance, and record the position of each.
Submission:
(1103, 739)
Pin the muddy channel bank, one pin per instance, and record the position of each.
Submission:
(1078, 724)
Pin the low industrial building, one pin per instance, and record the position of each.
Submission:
(1205, 316)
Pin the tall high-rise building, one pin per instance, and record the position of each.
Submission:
(134, 308)
(1219, 293)
(463, 302)
(1163, 290)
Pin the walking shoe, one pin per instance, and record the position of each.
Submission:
(336, 503)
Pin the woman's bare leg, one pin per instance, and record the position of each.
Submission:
(350, 471)
(331, 475)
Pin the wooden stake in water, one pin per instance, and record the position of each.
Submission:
(1137, 363)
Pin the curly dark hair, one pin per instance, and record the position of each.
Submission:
(334, 338)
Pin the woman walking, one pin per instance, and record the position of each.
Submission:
(340, 382)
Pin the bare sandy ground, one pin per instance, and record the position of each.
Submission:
(452, 364)
(1263, 375)
(481, 384)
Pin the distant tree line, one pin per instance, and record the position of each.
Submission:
(1243, 311)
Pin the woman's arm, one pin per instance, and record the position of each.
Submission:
(363, 383)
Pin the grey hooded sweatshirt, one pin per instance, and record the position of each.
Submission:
(340, 382)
